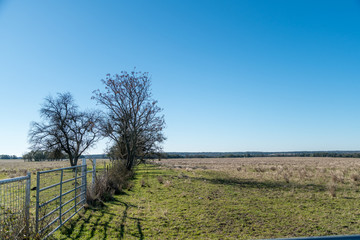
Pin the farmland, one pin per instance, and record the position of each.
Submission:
(15, 168)
(230, 199)
(235, 198)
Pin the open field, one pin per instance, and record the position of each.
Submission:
(235, 198)
(230, 163)
(15, 168)
(301, 170)
(230, 199)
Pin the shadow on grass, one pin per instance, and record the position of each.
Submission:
(92, 233)
(69, 228)
(125, 217)
(271, 185)
(85, 221)
(94, 222)
(149, 170)
(215, 178)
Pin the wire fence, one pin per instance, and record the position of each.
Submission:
(14, 205)
(60, 194)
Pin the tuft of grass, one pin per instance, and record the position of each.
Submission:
(259, 169)
(337, 178)
(355, 177)
(167, 183)
(273, 168)
(144, 183)
(332, 189)
(286, 177)
(160, 179)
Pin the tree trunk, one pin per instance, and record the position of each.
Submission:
(71, 160)
(76, 160)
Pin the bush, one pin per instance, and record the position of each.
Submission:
(108, 183)
(119, 176)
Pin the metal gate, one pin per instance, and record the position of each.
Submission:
(60, 194)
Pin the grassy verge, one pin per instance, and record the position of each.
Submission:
(205, 204)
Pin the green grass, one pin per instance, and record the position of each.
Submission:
(207, 204)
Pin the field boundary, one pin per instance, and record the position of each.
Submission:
(15, 199)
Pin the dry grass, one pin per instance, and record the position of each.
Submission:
(160, 179)
(266, 162)
(339, 171)
(17, 167)
(109, 182)
(232, 199)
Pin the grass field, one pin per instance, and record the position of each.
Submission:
(237, 198)
(230, 199)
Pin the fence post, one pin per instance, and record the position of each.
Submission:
(76, 171)
(93, 173)
(37, 202)
(83, 180)
(27, 203)
(60, 207)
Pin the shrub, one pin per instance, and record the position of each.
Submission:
(100, 192)
(108, 183)
(119, 176)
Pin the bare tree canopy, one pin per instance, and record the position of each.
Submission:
(133, 121)
(64, 128)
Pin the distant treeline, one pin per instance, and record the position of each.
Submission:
(8, 157)
(344, 154)
(37, 156)
(44, 156)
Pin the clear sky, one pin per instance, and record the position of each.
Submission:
(231, 75)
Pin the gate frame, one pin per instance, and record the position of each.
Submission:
(82, 195)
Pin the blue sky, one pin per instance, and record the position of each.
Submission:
(230, 75)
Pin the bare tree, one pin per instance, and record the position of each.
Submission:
(133, 121)
(64, 128)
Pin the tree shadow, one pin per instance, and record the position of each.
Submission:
(68, 228)
(85, 221)
(92, 233)
(139, 229)
(124, 219)
(119, 202)
(267, 184)
(106, 225)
